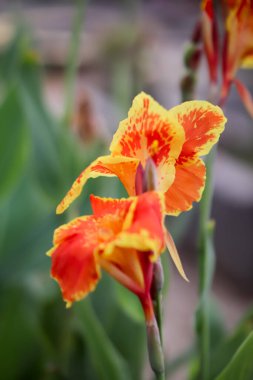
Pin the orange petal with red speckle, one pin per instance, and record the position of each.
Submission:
(203, 123)
(187, 188)
(149, 131)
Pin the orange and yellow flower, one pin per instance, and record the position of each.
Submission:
(210, 38)
(237, 44)
(174, 140)
(238, 47)
(123, 237)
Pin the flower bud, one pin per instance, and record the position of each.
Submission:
(158, 278)
(197, 33)
(155, 347)
(187, 86)
(192, 57)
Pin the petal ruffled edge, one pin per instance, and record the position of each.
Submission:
(74, 265)
(102, 206)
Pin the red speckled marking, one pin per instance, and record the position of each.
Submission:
(148, 132)
(203, 123)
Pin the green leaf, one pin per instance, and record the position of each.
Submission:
(241, 365)
(130, 339)
(19, 350)
(14, 143)
(222, 354)
(27, 225)
(106, 361)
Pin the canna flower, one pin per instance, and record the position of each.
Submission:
(237, 44)
(210, 38)
(123, 237)
(173, 140)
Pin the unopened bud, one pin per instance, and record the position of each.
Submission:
(150, 176)
(197, 33)
(192, 57)
(158, 278)
(187, 86)
(155, 347)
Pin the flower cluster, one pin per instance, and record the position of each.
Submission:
(237, 49)
(156, 155)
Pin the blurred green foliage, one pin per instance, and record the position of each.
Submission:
(39, 159)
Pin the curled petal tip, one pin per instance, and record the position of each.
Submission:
(59, 210)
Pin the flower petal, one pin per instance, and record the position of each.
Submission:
(148, 132)
(129, 262)
(123, 167)
(239, 26)
(210, 37)
(143, 228)
(245, 96)
(104, 206)
(187, 188)
(174, 255)
(203, 123)
(74, 265)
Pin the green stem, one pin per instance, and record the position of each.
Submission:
(206, 270)
(160, 376)
(155, 350)
(156, 293)
(158, 279)
(158, 313)
(72, 61)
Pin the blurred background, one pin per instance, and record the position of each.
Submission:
(68, 74)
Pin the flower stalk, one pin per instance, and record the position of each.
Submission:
(206, 260)
(72, 60)
(146, 180)
(156, 293)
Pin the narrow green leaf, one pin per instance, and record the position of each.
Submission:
(107, 362)
(241, 365)
(14, 143)
(222, 354)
